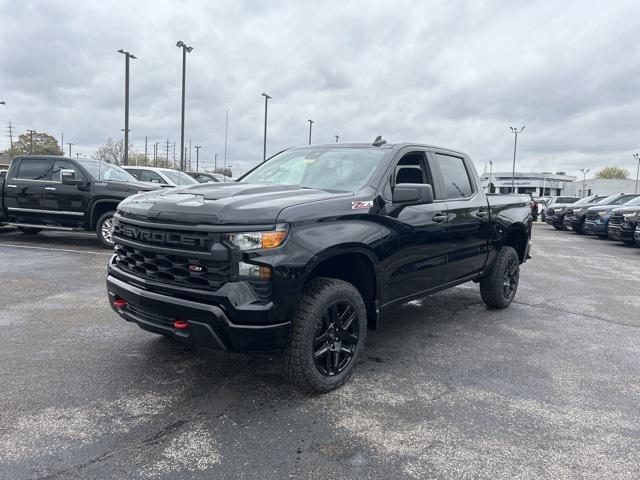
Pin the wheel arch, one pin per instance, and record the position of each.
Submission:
(517, 236)
(99, 208)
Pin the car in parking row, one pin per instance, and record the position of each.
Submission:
(163, 177)
(597, 219)
(576, 213)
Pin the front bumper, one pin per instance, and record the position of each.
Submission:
(636, 235)
(597, 227)
(555, 220)
(208, 324)
(620, 233)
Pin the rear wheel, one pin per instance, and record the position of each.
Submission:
(29, 230)
(104, 230)
(327, 337)
(498, 288)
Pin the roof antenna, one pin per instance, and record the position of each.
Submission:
(378, 142)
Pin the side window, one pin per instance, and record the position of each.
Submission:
(455, 176)
(135, 173)
(63, 165)
(412, 168)
(149, 176)
(34, 169)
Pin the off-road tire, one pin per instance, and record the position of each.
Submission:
(29, 230)
(299, 367)
(493, 284)
(102, 236)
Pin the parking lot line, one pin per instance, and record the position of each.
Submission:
(54, 249)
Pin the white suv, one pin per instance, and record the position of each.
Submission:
(165, 177)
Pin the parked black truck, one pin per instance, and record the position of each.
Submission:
(623, 222)
(310, 248)
(575, 213)
(59, 193)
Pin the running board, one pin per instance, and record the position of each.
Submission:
(46, 227)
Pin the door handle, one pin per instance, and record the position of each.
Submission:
(439, 217)
(481, 214)
(50, 188)
(12, 186)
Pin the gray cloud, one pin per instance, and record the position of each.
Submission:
(454, 73)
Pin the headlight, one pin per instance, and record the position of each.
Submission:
(578, 210)
(630, 215)
(603, 213)
(259, 240)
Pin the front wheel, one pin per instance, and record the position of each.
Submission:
(104, 230)
(327, 336)
(498, 288)
(29, 230)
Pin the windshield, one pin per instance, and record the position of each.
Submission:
(333, 169)
(180, 178)
(565, 199)
(587, 200)
(106, 171)
(633, 203)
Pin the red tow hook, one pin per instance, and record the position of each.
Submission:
(120, 303)
(180, 325)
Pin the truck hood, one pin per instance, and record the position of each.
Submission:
(220, 203)
(632, 209)
(602, 208)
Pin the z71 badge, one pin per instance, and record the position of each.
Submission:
(361, 204)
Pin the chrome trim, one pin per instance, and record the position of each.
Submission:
(33, 210)
(46, 227)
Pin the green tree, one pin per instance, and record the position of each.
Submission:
(612, 172)
(37, 143)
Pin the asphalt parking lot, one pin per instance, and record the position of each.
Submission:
(547, 388)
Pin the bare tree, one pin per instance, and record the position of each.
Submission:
(111, 152)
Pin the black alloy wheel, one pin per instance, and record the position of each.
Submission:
(336, 338)
(511, 277)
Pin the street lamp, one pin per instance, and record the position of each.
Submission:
(490, 176)
(311, 122)
(2, 102)
(337, 138)
(515, 145)
(69, 143)
(197, 147)
(584, 176)
(127, 56)
(185, 49)
(637, 157)
(264, 143)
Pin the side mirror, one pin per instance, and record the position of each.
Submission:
(68, 177)
(412, 194)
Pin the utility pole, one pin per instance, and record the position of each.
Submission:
(264, 144)
(637, 157)
(337, 138)
(62, 143)
(490, 176)
(226, 133)
(189, 154)
(197, 147)
(31, 132)
(516, 132)
(311, 122)
(174, 154)
(215, 162)
(155, 154)
(69, 143)
(584, 176)
(11, 136)
(146, 157)
(185, 49)
(168, 152)
(127, 56)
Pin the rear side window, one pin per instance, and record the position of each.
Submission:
(135, 173)
(35, 169)
(149, 176)
(455, 176)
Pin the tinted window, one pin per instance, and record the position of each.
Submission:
(455, 176)
(34, 169)
(149, 176)
(135, 173)
(63, 165)
(624, 199)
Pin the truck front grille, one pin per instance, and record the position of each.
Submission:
(173, 269)
(592, 216)
(616, 219)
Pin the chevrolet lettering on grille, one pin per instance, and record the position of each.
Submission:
(161, 238)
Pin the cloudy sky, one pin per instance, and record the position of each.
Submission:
(452, 73)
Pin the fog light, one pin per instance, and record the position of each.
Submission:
(250, 270)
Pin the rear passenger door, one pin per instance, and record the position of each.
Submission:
(25, 189)
(467, 215)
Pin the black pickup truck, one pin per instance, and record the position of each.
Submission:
(59, 193)
(309, 249)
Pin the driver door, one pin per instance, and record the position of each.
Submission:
(66, 205)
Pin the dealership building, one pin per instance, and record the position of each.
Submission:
(538, 184)
(605, 186)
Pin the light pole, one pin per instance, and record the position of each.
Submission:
(264, 144)
(637, 157)
(584, 176)
(31, 132)
(337, 138)
(490, 176)
(185, 49)
(515, 146)
(69, 143)
(127, 56)
(311, 122)
(197, 147)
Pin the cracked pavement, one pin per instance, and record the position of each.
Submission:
(547, 388)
